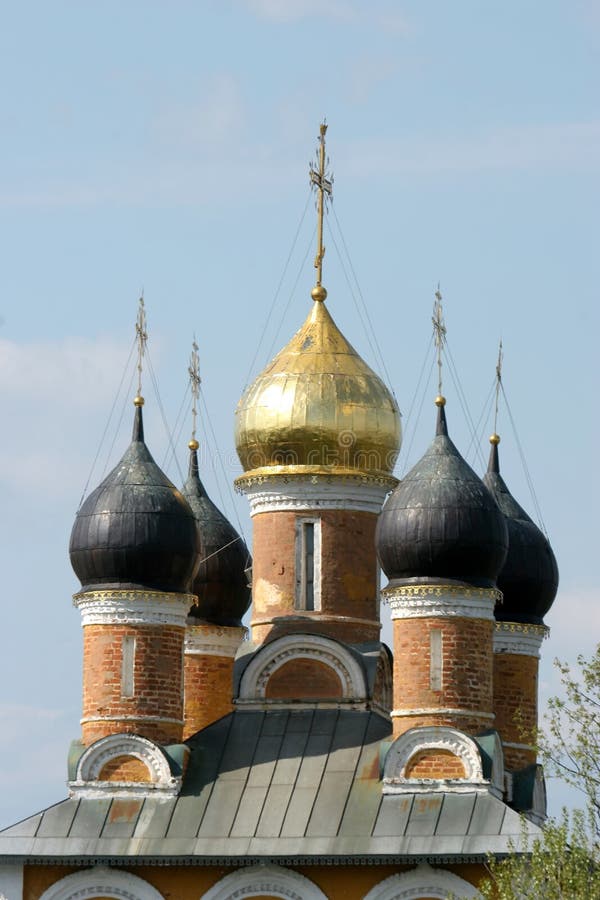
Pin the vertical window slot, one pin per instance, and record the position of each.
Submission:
(435, 659)
(308, 539)
(128, 666)
(308, 564)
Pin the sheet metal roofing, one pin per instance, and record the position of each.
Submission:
(274, 786)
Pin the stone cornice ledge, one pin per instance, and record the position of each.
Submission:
(133, 607)
(520, 639)
(304, 493)
(441, 601)
(213, 640)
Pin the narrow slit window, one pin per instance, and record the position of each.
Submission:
(308, 535)
(435, 659)
(308, 564)
(128, 666)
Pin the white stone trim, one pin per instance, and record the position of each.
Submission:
(277, 653)
(319, 617)
(11, 882)
(133, 607)
(282, 493)
(133, 718)
(101, 882)
(213, 640)
(442, 711)
(522, 640)
(95, 757)
(441, 601)
(424, 881)
(431, 737)
(256, 881)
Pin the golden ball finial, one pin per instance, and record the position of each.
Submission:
(193, 444)
(495, 439)
(138, 401)
(318, 293)
(440, 401)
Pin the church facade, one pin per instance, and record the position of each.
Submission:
(305, 759)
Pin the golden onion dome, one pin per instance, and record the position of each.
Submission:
(318, 409)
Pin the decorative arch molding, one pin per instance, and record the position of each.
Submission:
(101, 882)
(98, 754)
(431, 737)
(277, 653)
(424, 881)
(274, 881)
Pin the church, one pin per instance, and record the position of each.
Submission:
(302, 758)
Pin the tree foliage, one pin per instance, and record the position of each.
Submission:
(564, 862)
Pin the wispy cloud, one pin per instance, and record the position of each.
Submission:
(565, 145)
(348, 12)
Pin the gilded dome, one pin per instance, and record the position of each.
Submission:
(318, 408)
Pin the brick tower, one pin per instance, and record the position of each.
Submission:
(441, 541)
(528, 581)
(134, 547)
(214, 627)
(318, 434)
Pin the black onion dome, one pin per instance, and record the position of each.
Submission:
(220, 583)
(529, 577)
(441, 524)
(136, 530)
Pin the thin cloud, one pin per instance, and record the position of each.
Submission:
(553, 146)
(346, 12)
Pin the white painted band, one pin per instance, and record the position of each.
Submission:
(442, 711)
(133, 608)
(522, 640)
(440, 601)
(211, 640)
(514, 746)
(317, 617)
(130, 719)
(285, 494)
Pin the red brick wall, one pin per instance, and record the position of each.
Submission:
(125, 768)
(467, 672)
(435, 764)
(348, 572)
(208, 690)
(306, 678)
(516, 704)
(158, 679)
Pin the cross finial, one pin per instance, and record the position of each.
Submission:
(323, 182)
(142, 339)
(498, 385)
(439, 333)
(195, 381)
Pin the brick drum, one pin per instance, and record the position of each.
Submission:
(208, 690)
(125, 768)
(348, 572)
(158, 682)
(435, 764)
(516, 705)
(306, 678)
(467, 672)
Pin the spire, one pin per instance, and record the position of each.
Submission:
(141, 336)
(323, 182)
(195, 380)
(494, 463)
(439, 336)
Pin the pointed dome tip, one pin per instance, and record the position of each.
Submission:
(138, 421)
(442, 425)
(494, 462)
(193, 467)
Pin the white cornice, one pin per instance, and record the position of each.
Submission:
(283, 493)
(522, 640)
(133, 607)
(441, 601)
(213, 640)
(442, 711)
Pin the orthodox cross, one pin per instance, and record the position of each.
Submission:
(194, 373)
(439, 333)
(142, 339)
(323, 182)
(498, 384)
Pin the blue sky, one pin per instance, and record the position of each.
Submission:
(165, 145)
